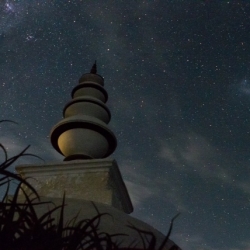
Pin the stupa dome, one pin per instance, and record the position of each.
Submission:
(113, 221)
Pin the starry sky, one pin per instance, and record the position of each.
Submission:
(178, 77)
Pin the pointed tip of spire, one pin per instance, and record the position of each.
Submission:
(94, 68)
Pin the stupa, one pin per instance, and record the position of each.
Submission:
(86, 175)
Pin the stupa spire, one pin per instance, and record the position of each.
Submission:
(94, 68)
(83, 133)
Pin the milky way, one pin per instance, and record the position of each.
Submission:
(177, 74)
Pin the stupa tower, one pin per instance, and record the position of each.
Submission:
(86, 176)
(85, 140)
(83, 133)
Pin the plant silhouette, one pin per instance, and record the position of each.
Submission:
(21, 228)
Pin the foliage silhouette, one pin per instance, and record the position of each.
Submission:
(21, 228)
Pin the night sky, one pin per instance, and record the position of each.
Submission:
(178, 77)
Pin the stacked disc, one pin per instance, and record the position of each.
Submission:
(83, 133)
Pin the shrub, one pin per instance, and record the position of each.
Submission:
(22, 229)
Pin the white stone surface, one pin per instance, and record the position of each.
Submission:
(93, 180)
(113, 222)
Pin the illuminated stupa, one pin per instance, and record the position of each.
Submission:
(83, 133)
(86, 176)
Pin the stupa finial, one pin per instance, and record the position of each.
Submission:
(94, 68)
(84, 131)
